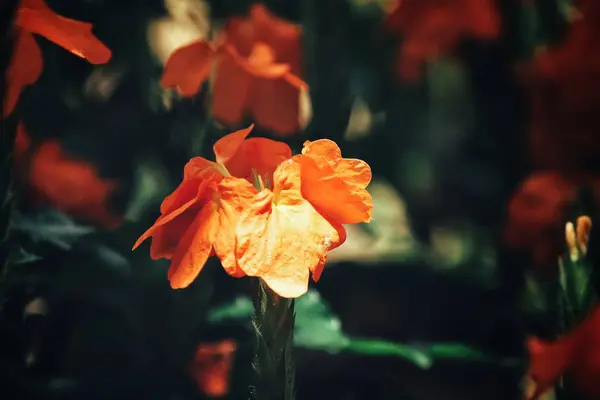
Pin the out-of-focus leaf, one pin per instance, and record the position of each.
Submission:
(317, 328)
(151, 184)
(383, 348)
(241, 308)
(576, 289)
(50, 226)
(21, 256)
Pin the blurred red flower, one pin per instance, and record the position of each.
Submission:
(564, 84)
(576, 354)
(536, 215)
(433, 28)
(256, 64)
(69, 185)
(211, 367)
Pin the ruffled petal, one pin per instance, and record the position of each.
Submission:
(234, 195)
(281, 237)
(334, 185)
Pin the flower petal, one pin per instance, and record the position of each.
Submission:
(188, 68)
(200, 179)
(25, 68)
(72, 186)
(193, 249)
(173, 213)
(281, 237)
(242, 157)
(261, 155)
(235, 195)
(167, 236)
(227, 147)
(230, 89)
(75, 36)
(334, 185)
(275, 103)
(549, 360)
(196, 171)
(281, 35)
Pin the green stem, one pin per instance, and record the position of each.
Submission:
(273, 324)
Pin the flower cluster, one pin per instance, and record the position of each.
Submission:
(262, 211)
(255, 64)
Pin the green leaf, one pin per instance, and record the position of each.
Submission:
(50, 226)
(21, 256)
(239, 309)
(576, 291)
(387, 349)
(317, 328)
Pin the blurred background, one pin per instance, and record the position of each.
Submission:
(478, 118)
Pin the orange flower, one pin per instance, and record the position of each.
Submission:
(200, 216)
(211, 367)
(288, 230)
(432, 28)
(281, 237)
(34, 16)
(256, 71)
(71, 186)
(280, 232)
(576, 354)
(536, 215)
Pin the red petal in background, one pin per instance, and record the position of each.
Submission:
(24, 69)
(76, 36)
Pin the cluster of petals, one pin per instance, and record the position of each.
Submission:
(433, 28)
(278, 228)
(576, 354)
(26, 64)
(255, 67)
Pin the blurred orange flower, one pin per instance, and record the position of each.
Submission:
(269, 230)
(211, 367)
(576, 353)
(35, 17)
(536, 215)
(256, 64)
(565, 98)
(69, 185)
(432, 28)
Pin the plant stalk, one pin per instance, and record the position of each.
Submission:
(273, 324)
